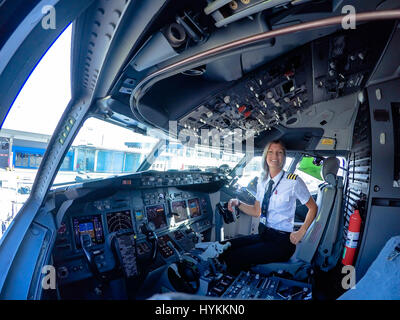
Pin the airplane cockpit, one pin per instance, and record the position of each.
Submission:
(155, 232)
(172, 104)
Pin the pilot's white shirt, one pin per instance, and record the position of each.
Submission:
(282, 204)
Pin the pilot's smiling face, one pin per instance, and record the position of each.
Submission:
(275, 156)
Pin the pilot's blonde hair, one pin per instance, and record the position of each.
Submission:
(264, 163)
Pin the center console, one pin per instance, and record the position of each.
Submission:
(215, 281)
(255, 286)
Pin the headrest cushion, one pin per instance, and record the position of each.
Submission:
(330, 167)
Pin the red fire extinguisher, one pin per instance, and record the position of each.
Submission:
(353, 235)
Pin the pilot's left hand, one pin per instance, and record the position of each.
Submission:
(296, 236)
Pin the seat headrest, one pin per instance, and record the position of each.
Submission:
(330, 169)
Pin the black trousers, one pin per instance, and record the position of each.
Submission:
(269, 245)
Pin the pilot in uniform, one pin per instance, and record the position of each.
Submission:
(277, 198)
(278, 211)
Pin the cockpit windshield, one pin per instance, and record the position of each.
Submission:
(103, 149)
(177, 156)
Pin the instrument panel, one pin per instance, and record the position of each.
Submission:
(176, 216)
(283, 89)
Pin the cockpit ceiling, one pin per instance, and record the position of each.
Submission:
(314, 87)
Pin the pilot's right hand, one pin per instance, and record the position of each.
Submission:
(232, 203)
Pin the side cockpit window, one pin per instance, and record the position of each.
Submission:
(29, 125)
(310, 170)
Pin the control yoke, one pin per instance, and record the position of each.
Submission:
(151, 236)
(86, 242)
(183, 274)
(227, 215)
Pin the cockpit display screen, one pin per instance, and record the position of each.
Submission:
(156, 216)
(179, 210)
(120, 220)
(194, 207)
(90, 225)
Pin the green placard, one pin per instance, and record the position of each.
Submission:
(307, 166)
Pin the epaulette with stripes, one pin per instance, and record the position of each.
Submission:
(291, 176)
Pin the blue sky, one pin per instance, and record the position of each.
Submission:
(46, 93)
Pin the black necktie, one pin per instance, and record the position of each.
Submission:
(265, 203)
